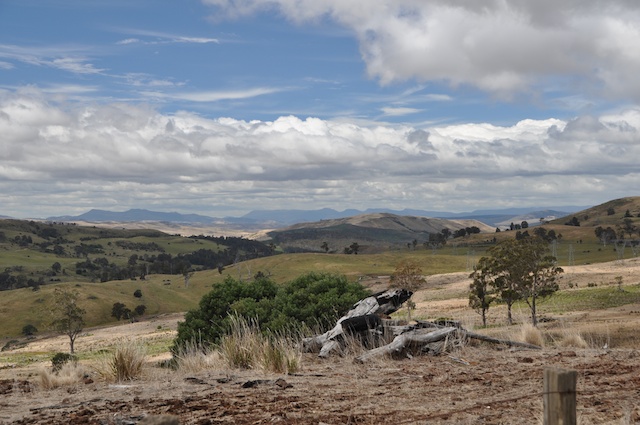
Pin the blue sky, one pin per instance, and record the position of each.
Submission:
(220, 107)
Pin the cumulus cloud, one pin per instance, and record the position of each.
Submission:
(502, 47)
(126, 155)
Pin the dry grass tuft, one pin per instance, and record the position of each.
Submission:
(245, 347)
(279, 355)
(531, 335)
(125, 363)
(572, 339)
(69, 374)
(194, 358)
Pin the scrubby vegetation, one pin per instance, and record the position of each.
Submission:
(316, 299)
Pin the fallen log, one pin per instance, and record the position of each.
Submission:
(381, 303)
(499, 341)
(401, 342)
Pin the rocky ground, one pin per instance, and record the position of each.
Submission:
(473, 384)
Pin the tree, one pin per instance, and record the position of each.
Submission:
(56, 267)
(354, 248)
(119, 311)
(28, 330)
(137, 293)
(629, 227)
(68, 316)
(325, 247)
(481, 293)
(521, 270)
(140, 309)
(408, 275)
(573, 222)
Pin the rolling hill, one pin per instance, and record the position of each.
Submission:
(373, 232)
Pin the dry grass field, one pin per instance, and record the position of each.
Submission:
(474, 383)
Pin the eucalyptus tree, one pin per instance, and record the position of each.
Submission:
(519, 269)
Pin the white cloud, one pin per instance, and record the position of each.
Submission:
(398, 111)
(162, 37)
(502, 47)
(59, 154)
(64, 58)
(213, 96)
(75, 65)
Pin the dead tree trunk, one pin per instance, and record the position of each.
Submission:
(415, 337)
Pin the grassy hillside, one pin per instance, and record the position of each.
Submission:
(163, 293)
(612, 213)
(36, 253)
(373, 232)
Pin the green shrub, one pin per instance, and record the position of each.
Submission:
(60, 359)
(313, 298)
(29, 330)
(211, 320)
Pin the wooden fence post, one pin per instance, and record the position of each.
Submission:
(559, 397)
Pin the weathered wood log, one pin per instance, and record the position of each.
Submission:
(381, 303)
(499, 341)
(403, 341)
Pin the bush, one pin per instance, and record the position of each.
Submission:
(29, 330)
(60, 359)
(316, 298)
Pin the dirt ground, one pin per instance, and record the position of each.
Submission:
(474, 384)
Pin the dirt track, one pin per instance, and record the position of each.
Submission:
(478, 384)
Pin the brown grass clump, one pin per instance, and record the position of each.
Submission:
(126, 363)
(279, 355)
(572, 339)
(245, 347)
(194, 358)
(69, 374)
(531, 335)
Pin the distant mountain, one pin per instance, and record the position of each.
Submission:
(135, 215)
(281, 218)
(266, 219)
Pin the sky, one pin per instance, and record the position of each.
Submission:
(221, 107)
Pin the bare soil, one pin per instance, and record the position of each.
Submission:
(474, 384)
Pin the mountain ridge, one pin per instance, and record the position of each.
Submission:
(286, 217)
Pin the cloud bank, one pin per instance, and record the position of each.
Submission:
(64, 157)
(501, 47)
